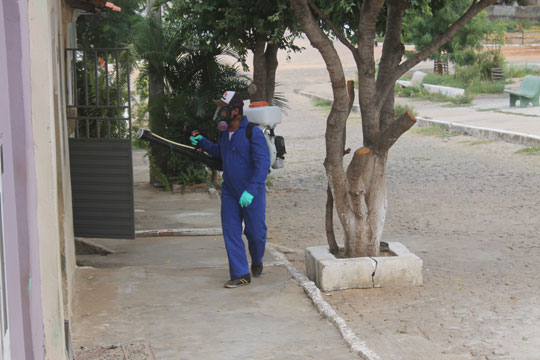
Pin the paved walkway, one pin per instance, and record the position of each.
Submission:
(491, 113)
(166, 294)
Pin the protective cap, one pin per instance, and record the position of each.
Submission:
(230, 98)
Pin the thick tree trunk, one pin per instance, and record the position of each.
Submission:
(368, 198)
(259, 69)
(329, 223)
(265, 65)
(271, 68)
(156, 110)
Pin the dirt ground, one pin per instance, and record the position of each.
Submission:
(468, 208)
(521, 53)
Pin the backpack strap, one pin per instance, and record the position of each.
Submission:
(249, 130)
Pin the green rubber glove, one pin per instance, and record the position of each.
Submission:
(195, 139)
(245, 199)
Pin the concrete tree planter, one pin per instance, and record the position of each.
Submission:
(396, 266)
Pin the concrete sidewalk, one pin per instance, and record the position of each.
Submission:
(489, 116)
(166, 295)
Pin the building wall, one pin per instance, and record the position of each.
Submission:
(55, 225)
(19, 185)
(516, 13)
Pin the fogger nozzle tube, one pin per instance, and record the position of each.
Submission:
(185, 150)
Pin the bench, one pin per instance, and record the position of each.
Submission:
(416, 80)
(528, 92)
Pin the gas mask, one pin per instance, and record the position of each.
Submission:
(222, 117)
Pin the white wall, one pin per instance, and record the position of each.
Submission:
(55, 225)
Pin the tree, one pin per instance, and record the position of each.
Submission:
(359, 193)
(109, 29)
(156, 89)
(418, 31)
(191, 78)
(263, 27)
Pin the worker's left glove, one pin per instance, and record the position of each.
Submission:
(245, 199)
(195, 139)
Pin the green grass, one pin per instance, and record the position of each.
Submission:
(529, 150)
(471, 87)
(445, 80)
(401, 109)
(485, 87)
(322, 102)
(436, 130)
(420, 93)
(477, 142)
(519, 71)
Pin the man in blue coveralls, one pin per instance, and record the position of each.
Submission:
(243, 194)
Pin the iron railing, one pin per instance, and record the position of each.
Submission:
(99, 95)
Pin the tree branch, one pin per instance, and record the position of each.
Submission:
(334, 29)
(393, 48)
(367, 92)
(403, 123)
(473, 10)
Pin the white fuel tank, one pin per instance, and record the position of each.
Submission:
(264, 115)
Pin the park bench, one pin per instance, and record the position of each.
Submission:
(528, 92)
(416, 80)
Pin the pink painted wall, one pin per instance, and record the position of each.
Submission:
(19, 186)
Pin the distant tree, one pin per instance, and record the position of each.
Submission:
(421, 33)
(359, 193)
(260, 26)
(111, 29)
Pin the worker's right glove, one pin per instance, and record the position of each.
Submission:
(195, 139)
(245, 199)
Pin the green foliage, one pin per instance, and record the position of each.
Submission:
(427, 20)
(110, 29)
(402, 109)
(473, 76)
(280, 99)
(193, 79)
(100, 81)
(190, 173)
(214, 23)
(410, 91)
(485, 87)
(511, 25)
(421, 93)
(158, 174)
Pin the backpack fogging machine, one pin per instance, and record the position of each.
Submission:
(265, 117)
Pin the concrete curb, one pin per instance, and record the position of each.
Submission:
(483, 133)
(475, 131)
(356, 345)
(179, 232)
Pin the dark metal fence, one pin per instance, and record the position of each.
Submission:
(99, 102)
(99, 126)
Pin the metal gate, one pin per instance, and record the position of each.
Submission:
(99, 125)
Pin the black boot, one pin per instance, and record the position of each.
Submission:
(241, 281)
(256, 270)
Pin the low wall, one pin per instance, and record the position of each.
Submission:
(516, 13)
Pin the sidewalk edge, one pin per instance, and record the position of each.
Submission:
(179, 232)
(475, 131)
(355, 344)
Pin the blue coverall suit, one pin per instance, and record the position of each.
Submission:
(245, 167)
